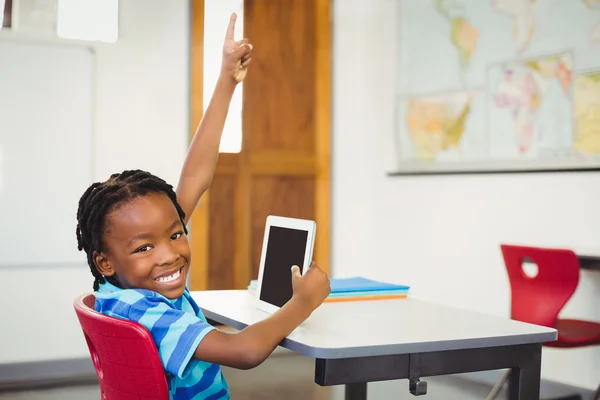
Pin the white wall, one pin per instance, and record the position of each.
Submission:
(441, 234)
(141, 122)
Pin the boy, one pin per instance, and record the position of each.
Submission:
(133, 230)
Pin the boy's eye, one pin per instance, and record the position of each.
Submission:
(142, 249)
(176, 236)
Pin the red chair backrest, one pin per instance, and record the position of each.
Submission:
(124, 355)
(539, 299)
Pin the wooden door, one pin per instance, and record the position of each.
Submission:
(284, 166)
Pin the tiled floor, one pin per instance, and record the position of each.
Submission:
(290, 378)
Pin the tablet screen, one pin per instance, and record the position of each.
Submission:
(286, 247)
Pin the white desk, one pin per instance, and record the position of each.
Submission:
(359, 342)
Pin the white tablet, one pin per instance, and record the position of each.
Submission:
(287, 242)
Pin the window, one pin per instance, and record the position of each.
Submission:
(216, 19)
(94, 20)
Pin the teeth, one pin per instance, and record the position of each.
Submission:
(170, 277)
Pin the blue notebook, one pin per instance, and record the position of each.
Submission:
(360, 284)
(368, 293)
(357, 286)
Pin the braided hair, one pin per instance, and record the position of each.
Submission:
(102, 197)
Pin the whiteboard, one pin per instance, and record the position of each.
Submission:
(46, 150)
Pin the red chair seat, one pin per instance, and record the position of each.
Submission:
(576, 333)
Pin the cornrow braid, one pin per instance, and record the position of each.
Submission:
(102, 197)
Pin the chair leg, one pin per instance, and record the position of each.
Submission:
(498, 386)
(597, 395)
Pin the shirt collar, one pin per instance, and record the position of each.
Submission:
(108, 287)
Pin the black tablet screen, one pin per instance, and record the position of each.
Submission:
(286, 247)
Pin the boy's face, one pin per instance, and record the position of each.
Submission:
(146, 246)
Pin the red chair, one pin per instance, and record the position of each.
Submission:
(539, 298)
(124, 355)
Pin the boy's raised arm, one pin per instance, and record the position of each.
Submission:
(200, 163)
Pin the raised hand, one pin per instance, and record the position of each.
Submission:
(236, 55)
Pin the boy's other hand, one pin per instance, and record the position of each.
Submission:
(236, 55)
(312, 288)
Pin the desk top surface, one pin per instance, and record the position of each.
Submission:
(377, 327)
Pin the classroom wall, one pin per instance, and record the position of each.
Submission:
(141, 121)
(441, 234)
(402, 229)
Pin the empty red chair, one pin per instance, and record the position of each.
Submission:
(124, 355)
(539, 298)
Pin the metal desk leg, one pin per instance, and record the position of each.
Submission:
(356, 391)
(524, 381)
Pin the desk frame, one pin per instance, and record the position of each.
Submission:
(588, 262)
(524, 360)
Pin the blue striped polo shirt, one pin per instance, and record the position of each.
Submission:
(177, 327)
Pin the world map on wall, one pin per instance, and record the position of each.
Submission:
(498, 80)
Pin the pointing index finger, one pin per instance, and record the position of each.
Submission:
(231, 27)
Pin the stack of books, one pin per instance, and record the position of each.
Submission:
(358, 288)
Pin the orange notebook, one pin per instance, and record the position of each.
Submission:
(361, 298)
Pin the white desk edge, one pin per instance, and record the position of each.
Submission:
(537, 334)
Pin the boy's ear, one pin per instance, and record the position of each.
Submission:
(102, 264)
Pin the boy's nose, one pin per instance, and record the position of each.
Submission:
(168, 256)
